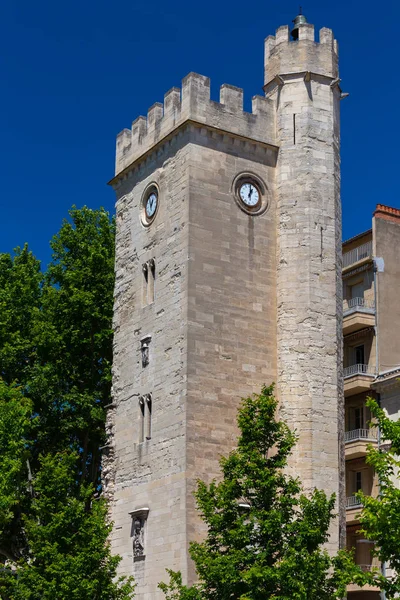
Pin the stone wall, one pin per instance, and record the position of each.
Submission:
(386, 234)
(309, 283)
(232, 302)
(151, 474)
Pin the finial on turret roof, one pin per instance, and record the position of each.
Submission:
(299, 20)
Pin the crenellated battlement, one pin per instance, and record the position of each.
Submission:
(193, 103)
(284, 56)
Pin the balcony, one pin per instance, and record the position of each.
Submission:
(363, 558)
(358, 313)
(360, 254)
(353, 509)
(353, 502)
(358, 440)
(358, 379)
(366, 568)
(372, 592)
(367, 591)
(358, 370)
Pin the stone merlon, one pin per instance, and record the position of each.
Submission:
(193, 103)
(283, 56)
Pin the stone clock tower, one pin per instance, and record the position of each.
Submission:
(227, 277)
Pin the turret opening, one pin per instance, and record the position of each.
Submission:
(299, 20)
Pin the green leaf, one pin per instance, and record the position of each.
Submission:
(265, 538)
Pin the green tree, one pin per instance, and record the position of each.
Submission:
(380, 516)
(15, 423)
(20, 304)
(264, 536)
(20, 298)
(67, 531)
(55, 363)
(71, 381)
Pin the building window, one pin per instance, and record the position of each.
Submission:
(145, 272)
(358, 418)
(145, 350)
(358, 481)
(142, 409)
(148, 416)
(145, 408)
(357, 290)
(151, 281)
(149, 276)
(138, 532)
(359, 355)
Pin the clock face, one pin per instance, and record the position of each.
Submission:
(249, 194)
(151, 205)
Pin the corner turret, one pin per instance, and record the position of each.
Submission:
(301, 78)
(299, 20)
(302, 54)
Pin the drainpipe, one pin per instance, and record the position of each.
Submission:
(378, 266)
(376, 320)
(383, 566)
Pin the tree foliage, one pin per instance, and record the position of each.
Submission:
(15, 422)
(265, 537)
(55, 368)
(380, 517)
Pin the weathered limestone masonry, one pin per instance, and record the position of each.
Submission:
(301, 78)
(214, 298)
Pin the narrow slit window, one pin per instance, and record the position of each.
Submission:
(145, 350)
(145, 271)
(149, 276)
(294, 128)
(151, 281)
(142, 410)
(148, 416)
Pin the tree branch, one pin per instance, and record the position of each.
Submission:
(8, 554)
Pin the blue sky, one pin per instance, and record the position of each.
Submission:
(75, 73)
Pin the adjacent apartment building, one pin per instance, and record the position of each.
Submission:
(371, 323)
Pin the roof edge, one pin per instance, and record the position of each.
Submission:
(356, 237)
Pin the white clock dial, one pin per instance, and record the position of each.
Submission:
(249, 194)
(151, 205)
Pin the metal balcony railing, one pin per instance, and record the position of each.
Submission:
(361, 434)
(353, 256)
(365, 568)
(358, 370)
(353, 502)
(358, 304)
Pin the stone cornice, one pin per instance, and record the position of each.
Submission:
(283, 78)
(365, 267)
(158, 147)
(359, 334)
(388, 381)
